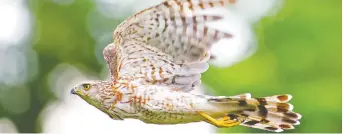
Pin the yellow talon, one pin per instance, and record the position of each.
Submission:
(225, 118)
(223, 122)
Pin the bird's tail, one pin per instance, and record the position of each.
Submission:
(272, 113)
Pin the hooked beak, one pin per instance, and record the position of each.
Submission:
(72, 91)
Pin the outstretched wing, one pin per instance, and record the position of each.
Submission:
(166, 44)
(136, 61)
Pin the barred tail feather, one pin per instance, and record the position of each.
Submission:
(272, 113)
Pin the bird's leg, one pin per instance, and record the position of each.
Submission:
(223, 122)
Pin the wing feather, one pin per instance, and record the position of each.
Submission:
(166, 44)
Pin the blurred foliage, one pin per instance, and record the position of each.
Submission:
(299, 53)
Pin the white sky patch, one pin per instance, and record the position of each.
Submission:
(73, 115)
(15, 26)
(13, 67)
(229, 51)
(254, 10)
(7, 126)
(15, 22)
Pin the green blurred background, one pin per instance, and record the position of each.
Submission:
(299, 53)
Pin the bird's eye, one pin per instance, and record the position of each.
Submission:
(86, 87)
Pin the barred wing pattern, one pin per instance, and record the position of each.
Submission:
(135, 61)
(166, 44)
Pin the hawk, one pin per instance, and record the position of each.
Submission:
(157, 58)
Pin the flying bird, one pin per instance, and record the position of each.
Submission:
(156, 59)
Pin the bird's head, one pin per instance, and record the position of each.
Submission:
(91, 90)
(100, 94)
